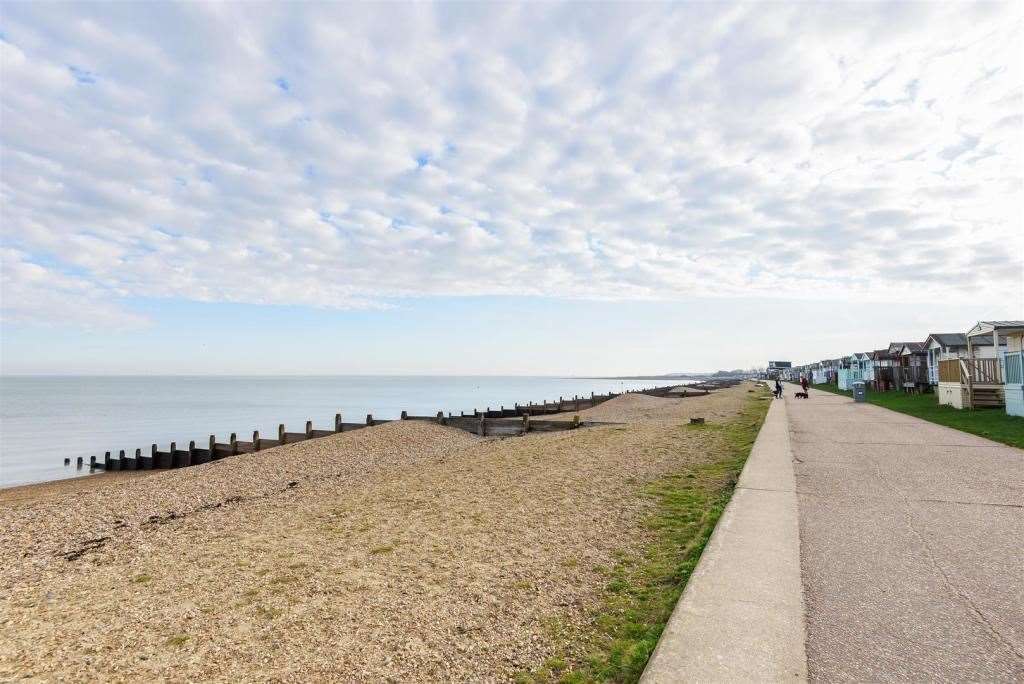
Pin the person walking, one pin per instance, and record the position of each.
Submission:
(778, 389)
(803, 383)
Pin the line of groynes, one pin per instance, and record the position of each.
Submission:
(518, 420)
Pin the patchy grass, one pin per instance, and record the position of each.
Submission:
(990, 423)
(643, 589)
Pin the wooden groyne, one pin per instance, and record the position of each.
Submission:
(506, 422)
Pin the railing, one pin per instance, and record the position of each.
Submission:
(910, 375)
(981, 371)
(970, 371)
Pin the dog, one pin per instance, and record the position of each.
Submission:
(800, 395)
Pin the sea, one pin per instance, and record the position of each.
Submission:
(45, 419)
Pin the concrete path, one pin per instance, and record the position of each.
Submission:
(741, 616)
(912, 546)
(911, 553)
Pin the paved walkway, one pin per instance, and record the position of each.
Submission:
(911, 546)
(740, 618)
(911, 554)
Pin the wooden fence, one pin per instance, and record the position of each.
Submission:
(518, 420)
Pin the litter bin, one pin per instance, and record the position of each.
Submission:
(858, 391)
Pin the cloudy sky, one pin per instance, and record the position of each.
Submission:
(489, 188)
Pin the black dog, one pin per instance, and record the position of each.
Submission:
(800, 395)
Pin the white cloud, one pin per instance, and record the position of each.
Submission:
(338, 156)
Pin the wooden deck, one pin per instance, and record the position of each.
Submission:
(979, 379)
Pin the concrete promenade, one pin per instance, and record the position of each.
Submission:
(741, 615)
(911, 546)
(911, 556)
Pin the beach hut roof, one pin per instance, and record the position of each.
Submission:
(987, 327)
(948, 339)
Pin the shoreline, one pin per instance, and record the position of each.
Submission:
(32, 491)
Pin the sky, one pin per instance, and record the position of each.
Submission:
(502, 188)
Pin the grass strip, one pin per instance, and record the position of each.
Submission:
(990, 423)
(642, 590)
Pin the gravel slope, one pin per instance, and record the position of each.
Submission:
(407, 551)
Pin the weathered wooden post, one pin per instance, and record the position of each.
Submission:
(67, 460)
(143, 462)
(337, 423)
(576, 399)
(405, 415)
(175, 460)
(481, 428)
(369, 419)
(78, 462)
(92, 462)
(440, 417)
(255, 440)
(106, 461)
(233, 441)
(526, 423)
(309, 429)
(575, 423)
(280, 433)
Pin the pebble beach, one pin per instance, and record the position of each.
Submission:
(407, 551)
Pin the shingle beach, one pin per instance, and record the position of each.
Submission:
(407, 551)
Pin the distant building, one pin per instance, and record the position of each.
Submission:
(779, 369)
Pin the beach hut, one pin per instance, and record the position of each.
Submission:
(852, 370)
(818, 376)
(779, 369)
(882, 362)
(911, 372)
(867, 368)
(976, 380)
(1013, 370)
(941, 347)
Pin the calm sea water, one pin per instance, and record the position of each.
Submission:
(44, 419)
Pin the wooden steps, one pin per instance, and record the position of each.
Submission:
(983, 397)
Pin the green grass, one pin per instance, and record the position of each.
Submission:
(990, 423)
(643, 589)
